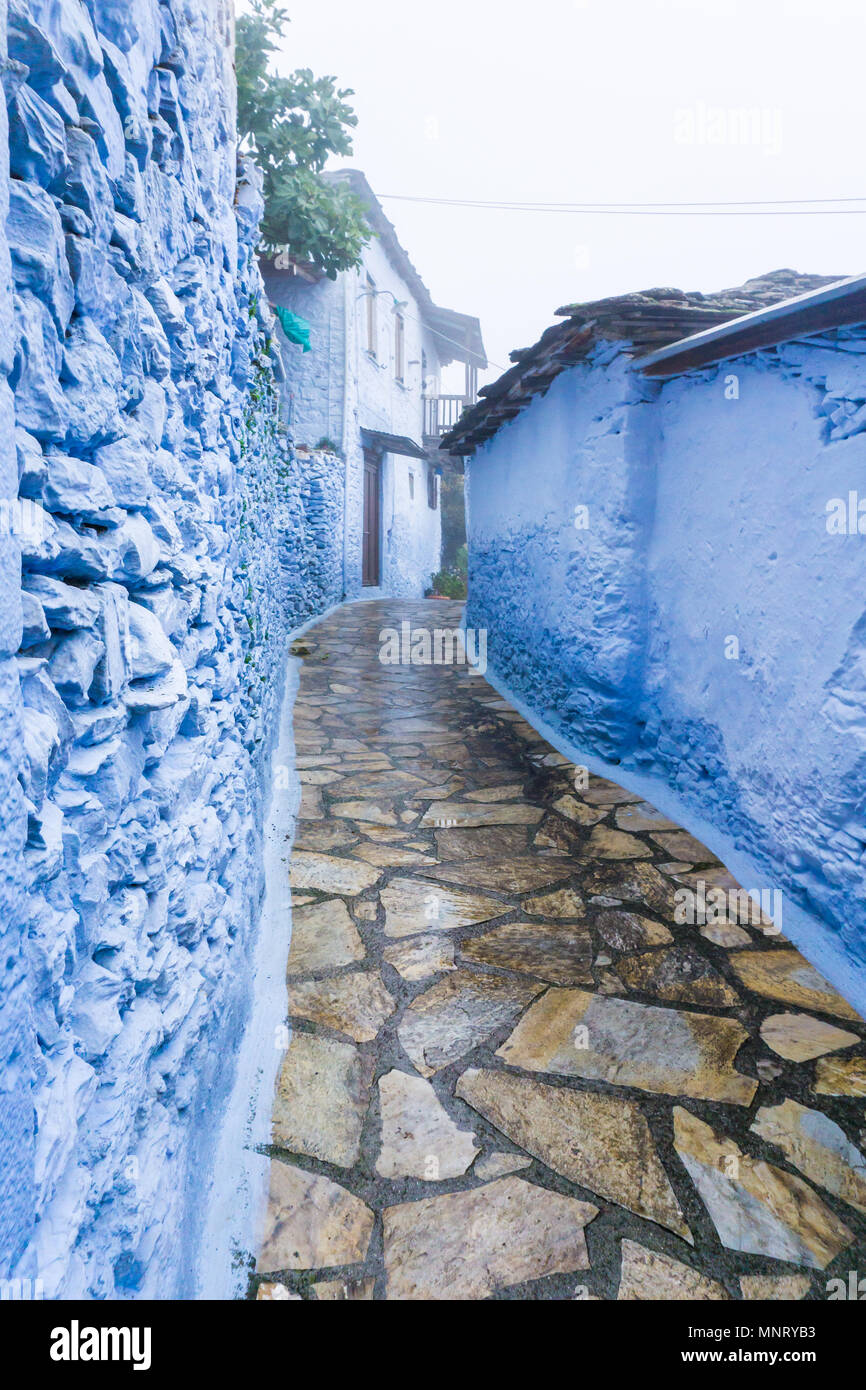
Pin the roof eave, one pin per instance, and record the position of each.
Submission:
(836, 306)
(430, 313)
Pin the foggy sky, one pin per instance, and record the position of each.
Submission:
(598, 100)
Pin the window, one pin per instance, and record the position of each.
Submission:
(411, 484)
(399, 346)
(372, 318)
(432, 489)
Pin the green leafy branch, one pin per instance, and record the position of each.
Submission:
(291, 126)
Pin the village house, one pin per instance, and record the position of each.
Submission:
(664, 531)
(380, 385)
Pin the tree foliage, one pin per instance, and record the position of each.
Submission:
(291, 125)
(453, 504)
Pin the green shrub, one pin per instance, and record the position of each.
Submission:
(449, 583)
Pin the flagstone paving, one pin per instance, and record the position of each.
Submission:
(512, 1073)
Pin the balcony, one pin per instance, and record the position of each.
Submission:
(441, 414)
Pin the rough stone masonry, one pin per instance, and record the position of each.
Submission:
(159, 540)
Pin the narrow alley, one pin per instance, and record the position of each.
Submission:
(513, 1070)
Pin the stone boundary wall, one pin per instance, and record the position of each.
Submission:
(161, 539)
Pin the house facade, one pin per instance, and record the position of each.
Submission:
(370, 389)
(666, 550)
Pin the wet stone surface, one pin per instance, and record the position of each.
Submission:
(512, 1073)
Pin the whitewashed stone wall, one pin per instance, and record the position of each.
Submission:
(339, 388)
(671, 576)
(168, 539)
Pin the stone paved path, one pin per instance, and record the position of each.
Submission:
(512, 1073)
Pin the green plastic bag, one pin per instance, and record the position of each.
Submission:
(296, 329)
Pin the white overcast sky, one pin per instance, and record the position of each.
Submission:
(595, 100)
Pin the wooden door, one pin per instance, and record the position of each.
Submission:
(372, 491)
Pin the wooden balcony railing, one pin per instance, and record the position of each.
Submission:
(441, 414)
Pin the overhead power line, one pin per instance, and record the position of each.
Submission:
(770, 207)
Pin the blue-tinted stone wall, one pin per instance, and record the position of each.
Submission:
(160, 540)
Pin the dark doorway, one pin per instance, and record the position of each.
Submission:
(372, 492)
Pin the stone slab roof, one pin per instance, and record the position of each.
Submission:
(644, 321)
